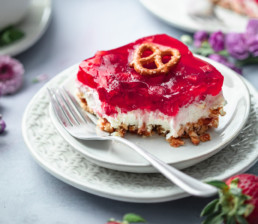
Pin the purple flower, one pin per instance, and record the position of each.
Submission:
(252, 27)
(251, 36)
(11, 74)
(223, 60)
(236, 45)
(2, 124)
(199, 37)
(252, 44)
(217, 41)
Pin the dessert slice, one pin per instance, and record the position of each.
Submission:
(244, 7)
(152, 84)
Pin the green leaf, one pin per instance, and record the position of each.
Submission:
(234, 183)
(204, 51)
(12, 35)
(186, 39)
(214, 219)
(223, 53)
(241, 220)
(247, 61)
(131, 217)
(219, 184)
(205, 44)
(249, 209)
(236, 191)
(231, 220)
(210, 208)
(242, 210)
(9, 35)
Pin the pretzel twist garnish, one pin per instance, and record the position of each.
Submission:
(162, 68)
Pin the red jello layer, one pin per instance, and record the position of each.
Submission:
(119, 85)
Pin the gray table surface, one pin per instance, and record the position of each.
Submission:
(28, 194)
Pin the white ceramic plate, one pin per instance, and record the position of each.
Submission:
(60, 159)
(114, 155)
(175, 13)
(34, 25)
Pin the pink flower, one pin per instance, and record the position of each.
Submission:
(11, 74)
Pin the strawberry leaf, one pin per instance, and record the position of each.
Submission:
(214, 219)
(231, 220)
(232, 207)
(219, 184)
(234, 183)
(130, 217)
(210, 208)
(249, 208)
(236, 191)
(241, 210)
(241, 220)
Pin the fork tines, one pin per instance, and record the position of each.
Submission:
(67, 108)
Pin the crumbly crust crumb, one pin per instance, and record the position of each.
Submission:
(195, 131)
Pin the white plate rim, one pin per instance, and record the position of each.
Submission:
(147, 168)
(29, 40)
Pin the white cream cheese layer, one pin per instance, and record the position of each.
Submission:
(172, 124)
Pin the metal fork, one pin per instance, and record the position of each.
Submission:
(79, 125)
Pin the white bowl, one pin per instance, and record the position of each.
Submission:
(12, 11)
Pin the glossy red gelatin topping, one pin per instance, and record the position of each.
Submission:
(119, 85)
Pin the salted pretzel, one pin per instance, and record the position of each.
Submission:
(162, 68)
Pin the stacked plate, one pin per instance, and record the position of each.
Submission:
(112, 170)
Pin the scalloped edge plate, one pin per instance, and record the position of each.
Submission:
(127, 186)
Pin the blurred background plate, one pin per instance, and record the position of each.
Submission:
(175, 13)
(33, 25)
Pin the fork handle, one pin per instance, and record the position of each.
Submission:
(182, 180)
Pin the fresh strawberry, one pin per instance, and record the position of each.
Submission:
(249, 185)
(113, 222)
(237, 203)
